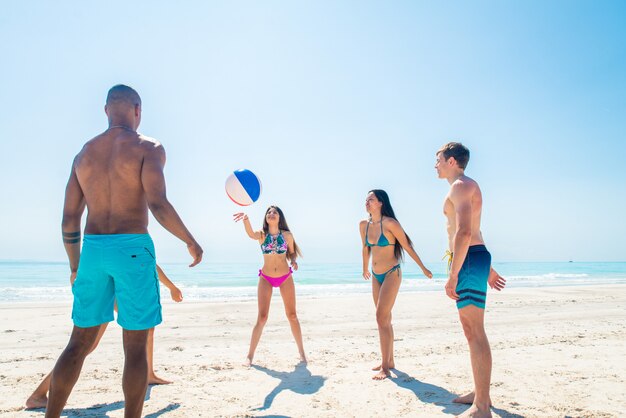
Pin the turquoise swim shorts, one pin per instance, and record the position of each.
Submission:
(472, 284)
(118, 267)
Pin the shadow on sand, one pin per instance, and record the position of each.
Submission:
(428, 393)
(300, 380)
(272, 416)
(436, 395)
(102, 410)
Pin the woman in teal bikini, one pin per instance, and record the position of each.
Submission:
(278, 248)
(384, 239)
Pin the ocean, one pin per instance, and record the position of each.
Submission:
(33, 281)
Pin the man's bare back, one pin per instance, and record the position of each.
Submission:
(109, 171)
(118, 176)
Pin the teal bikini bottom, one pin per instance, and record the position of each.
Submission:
(381, 277)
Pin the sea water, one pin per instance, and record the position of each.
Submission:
(33, 281)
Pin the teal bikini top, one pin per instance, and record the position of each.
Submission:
(382, 240)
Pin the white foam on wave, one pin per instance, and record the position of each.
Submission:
(549, 276)
(244, 293)
(35, 294)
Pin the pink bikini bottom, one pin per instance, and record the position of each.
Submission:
(275, 281)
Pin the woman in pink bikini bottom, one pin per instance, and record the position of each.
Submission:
(279, 250)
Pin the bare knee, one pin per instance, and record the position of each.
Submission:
(383, 319)
(77, 349)
(472, 329)
(292, 316)
(81, 342)
(262, 318)
(135, 344)
(467, 330)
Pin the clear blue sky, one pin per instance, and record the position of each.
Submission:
(326, 100)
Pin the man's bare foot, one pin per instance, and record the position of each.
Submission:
(248, 362)
(391, 366)
(467, 399)
(35, 401)
(382, 374)
(474, 412)
(156, 380)
(303, 359)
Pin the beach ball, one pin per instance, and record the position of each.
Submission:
(243, 187)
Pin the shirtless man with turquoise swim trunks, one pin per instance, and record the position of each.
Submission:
(118, 176)
(470, 269)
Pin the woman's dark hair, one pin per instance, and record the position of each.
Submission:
(387, 210)
(282, 226)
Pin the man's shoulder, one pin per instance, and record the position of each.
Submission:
(463, 186)
(87, 146)
(150, 142)
(151, 148)
(91, 142)
(465, 183)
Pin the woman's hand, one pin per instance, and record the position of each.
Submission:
(294, 265)
(239, 216)
(427, 272)
(367, 275)
(177, 295)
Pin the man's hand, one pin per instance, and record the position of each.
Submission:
(196, 253)
(451, 287)
(496, 281)
(72, 278)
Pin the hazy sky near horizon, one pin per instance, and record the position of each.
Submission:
(324, 101)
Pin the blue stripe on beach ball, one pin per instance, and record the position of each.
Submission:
(250, 183)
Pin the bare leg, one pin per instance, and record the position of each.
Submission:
(39, 398)
(392, 363)
(375, 293)
(386, 300)
(68, 366)
(153, 379)
(135, 379)
(288, 292)
(264, 297)
(472, 319)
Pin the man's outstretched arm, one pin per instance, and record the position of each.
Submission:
(153, 181)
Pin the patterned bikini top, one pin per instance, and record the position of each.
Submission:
(274, 244)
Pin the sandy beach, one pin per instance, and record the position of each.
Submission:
(558, 352)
